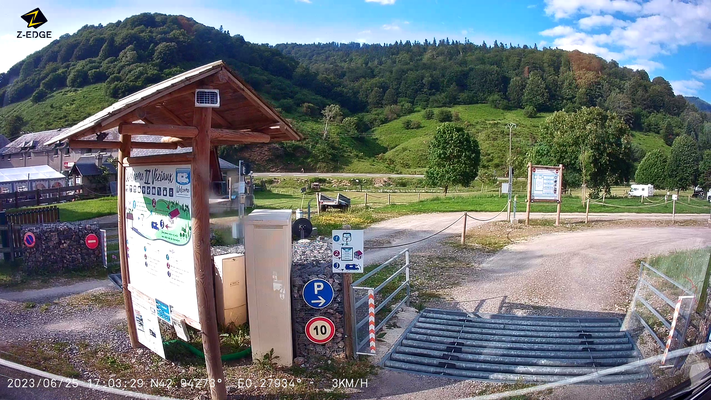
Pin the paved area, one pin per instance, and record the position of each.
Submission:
(51, 293)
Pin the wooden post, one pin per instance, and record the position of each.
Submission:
(388, 198)
(560, 195)
(508, 210)
(347, 309)
(603, 197)
(673, 211)
(528, 192)
(587, 211)
(366, 199)
(464, 230)
(125, 151)
(318, 206)
(204, 274)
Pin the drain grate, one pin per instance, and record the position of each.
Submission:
(509, 348)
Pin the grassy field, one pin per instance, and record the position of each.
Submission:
(688, 268)
(85, 209)
(650, 141)
(60, 109)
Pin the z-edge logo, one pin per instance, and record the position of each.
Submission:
(34, 18)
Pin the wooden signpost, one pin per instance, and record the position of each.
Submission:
(545, 184)
(170, 112)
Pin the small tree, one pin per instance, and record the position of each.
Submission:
(428, 114)
(407, 124)
(682, 166)
(530, 112)
(454, 157)
(652, 169)
(331, 114)
(705, 170)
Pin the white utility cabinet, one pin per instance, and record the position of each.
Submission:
(267, 243)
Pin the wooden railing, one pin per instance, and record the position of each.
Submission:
(40, 197)
(10, 223)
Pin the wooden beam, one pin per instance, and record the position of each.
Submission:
(158, 130)
(180, 158)
(171, 115)
(93, 144)
(238, 136)
(125, 151)
(204, 274)
(219, 118)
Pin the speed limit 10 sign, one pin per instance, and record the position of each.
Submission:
(320, 330)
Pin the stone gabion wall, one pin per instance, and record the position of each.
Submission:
(61, 247)
(312, 260)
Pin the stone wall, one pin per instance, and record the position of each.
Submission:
(312, 260)
(61, 247)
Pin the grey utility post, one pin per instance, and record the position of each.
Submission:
(511, 126)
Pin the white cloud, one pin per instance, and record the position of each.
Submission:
(464, 32)
(391, 27)
(383, 2)
(542, 43)
(365, 32)
(688, 87)
(647, 65)
(304, 1)
(531, 6)
(705, 74)
(560, 30)
(567, 8)
(595, 21)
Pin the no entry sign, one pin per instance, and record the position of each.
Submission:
(320, 330)
(29, 240)
(92, 241)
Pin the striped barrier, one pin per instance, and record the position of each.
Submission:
(672, 328)
(105, 252)
(371, 319)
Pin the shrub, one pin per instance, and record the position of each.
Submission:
(415, 125)
(444, 115)
(530, 112)
(429, 114)
(407, 124)
(39, 95)
(456, 117)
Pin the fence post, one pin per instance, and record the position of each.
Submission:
(673, 210)
(366, 199)
(388, 198)
(603, 197)
(464, 229)
(587, 211)
(418, 196)
(349, 315)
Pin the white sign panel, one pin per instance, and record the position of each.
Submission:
(347, 251)
(545, 184)
(505, 188)
(159, 240)
(147, 329)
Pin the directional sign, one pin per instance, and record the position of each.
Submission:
(29, 240)
(318, 293)
(320, 330)
(347, 251)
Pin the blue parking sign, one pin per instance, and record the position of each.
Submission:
(318, 293)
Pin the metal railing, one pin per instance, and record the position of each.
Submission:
(683, 308)
(360, 336)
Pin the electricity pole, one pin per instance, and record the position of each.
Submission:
(511, 126)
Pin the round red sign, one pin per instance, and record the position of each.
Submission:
(320, 330)
(29, 240)
(92, 241)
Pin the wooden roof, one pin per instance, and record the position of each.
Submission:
(243, 116)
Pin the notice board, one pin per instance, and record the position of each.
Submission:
(159, 240)
(546, 184)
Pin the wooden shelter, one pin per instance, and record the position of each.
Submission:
(168, 109)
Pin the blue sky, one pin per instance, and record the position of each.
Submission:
(667, 38)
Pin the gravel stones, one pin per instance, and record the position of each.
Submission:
(312, 260)
(61, 247)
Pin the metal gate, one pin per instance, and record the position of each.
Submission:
(365, 312)
(656, 305)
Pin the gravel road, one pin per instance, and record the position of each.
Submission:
(584, 273)
(54, 292)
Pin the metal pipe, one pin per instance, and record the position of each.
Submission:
(380, 267)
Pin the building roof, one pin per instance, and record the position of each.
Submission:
(86, 166)
(172, 102)
(226, 165)
(34, 141)
(38, 172)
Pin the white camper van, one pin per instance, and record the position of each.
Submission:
(642, 191)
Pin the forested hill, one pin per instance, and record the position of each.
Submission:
(78, 74)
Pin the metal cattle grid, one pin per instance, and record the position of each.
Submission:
(359, 294)
(510, 348)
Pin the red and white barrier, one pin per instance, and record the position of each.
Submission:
(371, 319)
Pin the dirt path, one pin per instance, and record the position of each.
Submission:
(582, 273)
(411, 228)
(54, 292)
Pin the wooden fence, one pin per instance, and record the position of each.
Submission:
(10, 223)
(40, 197)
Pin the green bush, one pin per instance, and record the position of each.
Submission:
(444, 115)
(428, 114)
(530, 112)
(407, 124)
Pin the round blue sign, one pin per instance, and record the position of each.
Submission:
(318, 293)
